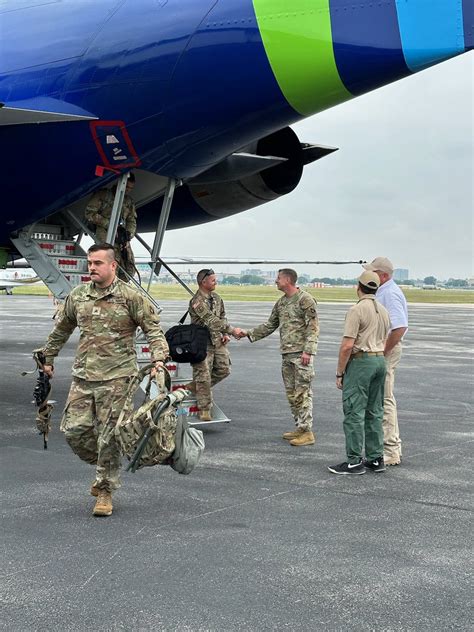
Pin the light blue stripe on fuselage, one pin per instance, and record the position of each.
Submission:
(430, 30)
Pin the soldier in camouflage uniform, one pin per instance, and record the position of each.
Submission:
(98, 212)
(207, 308)
(107, 312)
(295, 314)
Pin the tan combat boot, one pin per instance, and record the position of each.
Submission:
(205, 415)
(304, 438)
(103, 505)
(94, 490)
(292, 434)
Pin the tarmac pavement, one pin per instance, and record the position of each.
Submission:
(260, 536)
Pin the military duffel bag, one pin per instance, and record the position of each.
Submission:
(130, 428)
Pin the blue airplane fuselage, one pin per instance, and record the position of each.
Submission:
(191, 81)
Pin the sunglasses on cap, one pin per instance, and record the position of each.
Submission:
(207, 273)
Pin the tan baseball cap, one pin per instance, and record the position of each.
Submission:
(380, 263)
(370, 280)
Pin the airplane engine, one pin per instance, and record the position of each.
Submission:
(256, 174)
(221, 199)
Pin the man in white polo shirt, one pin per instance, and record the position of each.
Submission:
(392, 298)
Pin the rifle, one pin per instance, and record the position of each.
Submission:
(41, 394)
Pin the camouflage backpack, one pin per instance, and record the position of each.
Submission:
(130, 428)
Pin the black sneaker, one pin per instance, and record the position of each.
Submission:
(376, 466)
(347, 468)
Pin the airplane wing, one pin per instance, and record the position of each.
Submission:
(41, 110)
(217, 261)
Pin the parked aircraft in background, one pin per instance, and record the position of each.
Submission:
(201, 91)
(14, 278)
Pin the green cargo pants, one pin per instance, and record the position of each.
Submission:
(362, 402)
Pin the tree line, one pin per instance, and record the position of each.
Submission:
(254, 279)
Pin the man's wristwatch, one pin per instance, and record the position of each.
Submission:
(339, 374)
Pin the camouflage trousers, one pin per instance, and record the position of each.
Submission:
(89, 418)
(126, 260)
(209, 372)
(297, 380)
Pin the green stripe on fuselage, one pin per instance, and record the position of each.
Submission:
(298, 43)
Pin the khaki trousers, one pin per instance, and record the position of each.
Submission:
(391, 434)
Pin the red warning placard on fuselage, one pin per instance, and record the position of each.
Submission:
(114, 144)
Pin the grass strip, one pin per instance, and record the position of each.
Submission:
(251, 293)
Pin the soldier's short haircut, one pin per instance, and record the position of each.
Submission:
(103, 246)
(202, 274)
(290, 273)
(367, 290)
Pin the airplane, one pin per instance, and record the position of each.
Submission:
(16, 278)
(200, 93)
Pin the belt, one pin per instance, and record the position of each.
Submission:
(361, 354)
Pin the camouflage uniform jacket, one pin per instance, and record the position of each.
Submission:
(99, 210)
(107, 320)
(298, 321)
(208, 310)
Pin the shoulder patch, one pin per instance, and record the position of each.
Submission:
(199, 306)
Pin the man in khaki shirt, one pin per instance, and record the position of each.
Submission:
(360, 375)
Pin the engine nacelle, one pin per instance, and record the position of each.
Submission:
(216, 194)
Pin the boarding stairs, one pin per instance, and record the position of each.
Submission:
(55, 256)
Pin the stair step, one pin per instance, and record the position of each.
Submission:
(70, 263)
(76, 278)
(59, 247)
(51, 232)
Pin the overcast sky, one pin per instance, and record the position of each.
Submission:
(401, 185)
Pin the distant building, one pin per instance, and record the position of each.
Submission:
(252, 271)
(400, 274)
(268, 275)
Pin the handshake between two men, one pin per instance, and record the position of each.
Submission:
(239, 333)
(294, 314)
(236, 333)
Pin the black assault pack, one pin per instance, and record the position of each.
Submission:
(187, 343)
